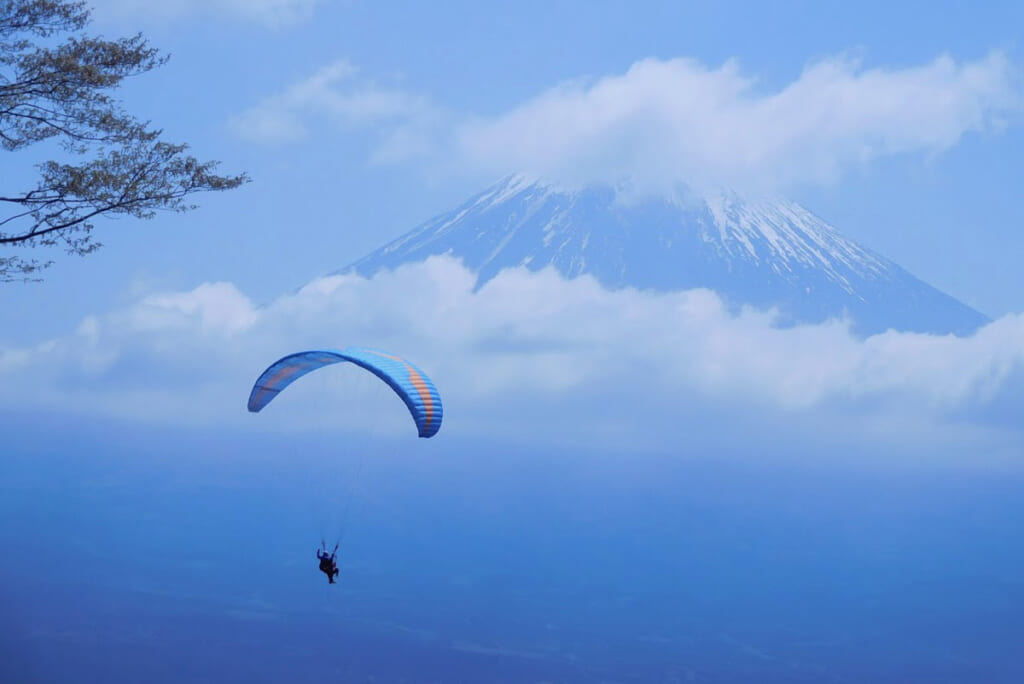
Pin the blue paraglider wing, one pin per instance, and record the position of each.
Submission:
(409, 382)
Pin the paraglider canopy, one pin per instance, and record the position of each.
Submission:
(409, 382)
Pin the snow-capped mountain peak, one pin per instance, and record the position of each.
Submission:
(766, 252)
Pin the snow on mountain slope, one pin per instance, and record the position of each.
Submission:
(765, 253)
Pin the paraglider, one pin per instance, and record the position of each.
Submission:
(411, 384)
(328, 563)
(408, 381)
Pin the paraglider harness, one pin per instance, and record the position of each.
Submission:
(328, 566)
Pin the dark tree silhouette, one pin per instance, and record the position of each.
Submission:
(55, 85)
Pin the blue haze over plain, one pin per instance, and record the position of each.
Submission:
(179, 556)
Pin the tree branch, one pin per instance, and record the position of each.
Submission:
(59, 90)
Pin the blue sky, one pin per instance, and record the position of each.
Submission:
(899, 125)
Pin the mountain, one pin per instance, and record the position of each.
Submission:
(765, 253)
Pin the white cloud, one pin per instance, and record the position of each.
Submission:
(665, 122)
(669, 121)
(335, 94)
(274, 13)
(568, 359)
(211, 308)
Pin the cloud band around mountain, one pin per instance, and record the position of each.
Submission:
(575, 362)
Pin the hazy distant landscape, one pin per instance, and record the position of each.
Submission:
(524, 567)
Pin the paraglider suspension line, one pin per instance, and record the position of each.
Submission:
(346, 511)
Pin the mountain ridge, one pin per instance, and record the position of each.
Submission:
(765, 252)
